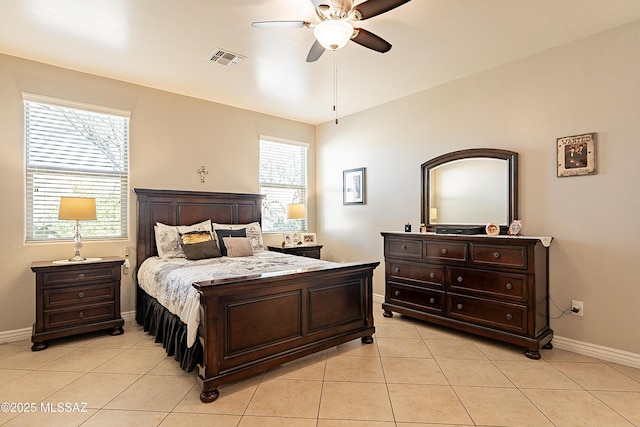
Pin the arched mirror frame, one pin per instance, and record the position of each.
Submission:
(511, 157)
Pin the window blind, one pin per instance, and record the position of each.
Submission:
(80, 152)
(283, 180)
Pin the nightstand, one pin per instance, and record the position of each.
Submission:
(311, 251)
(74, 298)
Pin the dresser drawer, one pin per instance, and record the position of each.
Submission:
(498, 315)
(77, 276)
(75, 316)
(445, 251)
(502, 256)
(421, 299)
(78, 295)
(417, 273)
(504, 286)
(405, 248)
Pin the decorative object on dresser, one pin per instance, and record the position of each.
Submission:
(77, 209)
(310, 251)
(496, 287)
(74, 298)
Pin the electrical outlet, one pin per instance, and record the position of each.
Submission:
(577, 308)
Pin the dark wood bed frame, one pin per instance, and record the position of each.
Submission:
(254, 323)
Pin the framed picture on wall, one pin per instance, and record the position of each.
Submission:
(353, 187)
(577, 155)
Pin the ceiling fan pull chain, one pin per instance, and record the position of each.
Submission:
(335, 85)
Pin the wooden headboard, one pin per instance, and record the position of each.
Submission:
(189, 207)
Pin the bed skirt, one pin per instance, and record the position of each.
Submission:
(168, 330)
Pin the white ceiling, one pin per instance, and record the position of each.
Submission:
(166, 44)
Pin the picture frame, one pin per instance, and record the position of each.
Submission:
(353, 186)
(576, 155)
(289, 240)
(308, 239)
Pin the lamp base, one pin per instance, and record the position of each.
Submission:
(77, 258)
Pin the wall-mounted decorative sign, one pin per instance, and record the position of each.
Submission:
(577, 155)
(353, 187)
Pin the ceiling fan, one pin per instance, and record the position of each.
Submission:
(336, 26)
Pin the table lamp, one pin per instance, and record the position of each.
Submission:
(296, 211)
(77, 209)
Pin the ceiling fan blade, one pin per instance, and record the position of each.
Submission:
(371, 8)
(368, 39)
(315, 52)
(280, 24)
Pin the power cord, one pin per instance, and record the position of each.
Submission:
(562, 312)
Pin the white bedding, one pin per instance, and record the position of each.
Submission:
(170, 280)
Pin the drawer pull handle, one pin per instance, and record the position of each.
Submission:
(404, 247)
(444, 251)
(509, 286)
(459, 306)
(460, 279)
(432, 301)
(432, 275)
(80, 294)
(81, 314)
(397, 293)
(496, 255)
(81, 276)
(397, 270)
(509, 316)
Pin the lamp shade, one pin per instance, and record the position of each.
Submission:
(333, 34)
(77, 208)
(296, 211)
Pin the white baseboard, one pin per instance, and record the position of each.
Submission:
(599, 352)
(25, 333)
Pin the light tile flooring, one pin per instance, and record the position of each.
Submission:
(414, 375)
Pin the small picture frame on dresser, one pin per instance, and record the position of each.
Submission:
(308, 238)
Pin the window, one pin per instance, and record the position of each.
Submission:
(75, 150)
(283, 180)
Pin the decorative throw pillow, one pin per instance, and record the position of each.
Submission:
(168, 237)
(199, 245)
(237, 246)
(228, 233)
(253, 231)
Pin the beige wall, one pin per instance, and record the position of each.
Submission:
(592, 85)
(171, 137)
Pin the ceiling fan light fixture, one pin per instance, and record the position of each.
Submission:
(333, 34)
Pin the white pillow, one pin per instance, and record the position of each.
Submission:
(253, 230)
(168, 237)
(238, 246)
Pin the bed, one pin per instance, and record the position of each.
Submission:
(257, 321)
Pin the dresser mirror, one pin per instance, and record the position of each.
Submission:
(470, 187)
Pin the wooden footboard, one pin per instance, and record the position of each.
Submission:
(251, 324)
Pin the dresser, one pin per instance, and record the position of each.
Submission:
(496, 287)
(310, 251)
(74, 298)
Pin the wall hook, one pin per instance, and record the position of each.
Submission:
(203, 173)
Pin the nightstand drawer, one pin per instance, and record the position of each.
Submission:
(78, 315)
(66, 277)
(79, 295)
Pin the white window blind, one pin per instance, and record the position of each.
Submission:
(80, 152)
(283, 180)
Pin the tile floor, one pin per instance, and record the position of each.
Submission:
(414, 375)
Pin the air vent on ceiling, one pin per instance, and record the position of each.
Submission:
(224, 57)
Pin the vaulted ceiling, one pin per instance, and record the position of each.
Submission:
(167, 44)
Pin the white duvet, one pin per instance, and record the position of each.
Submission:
(170, 280)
